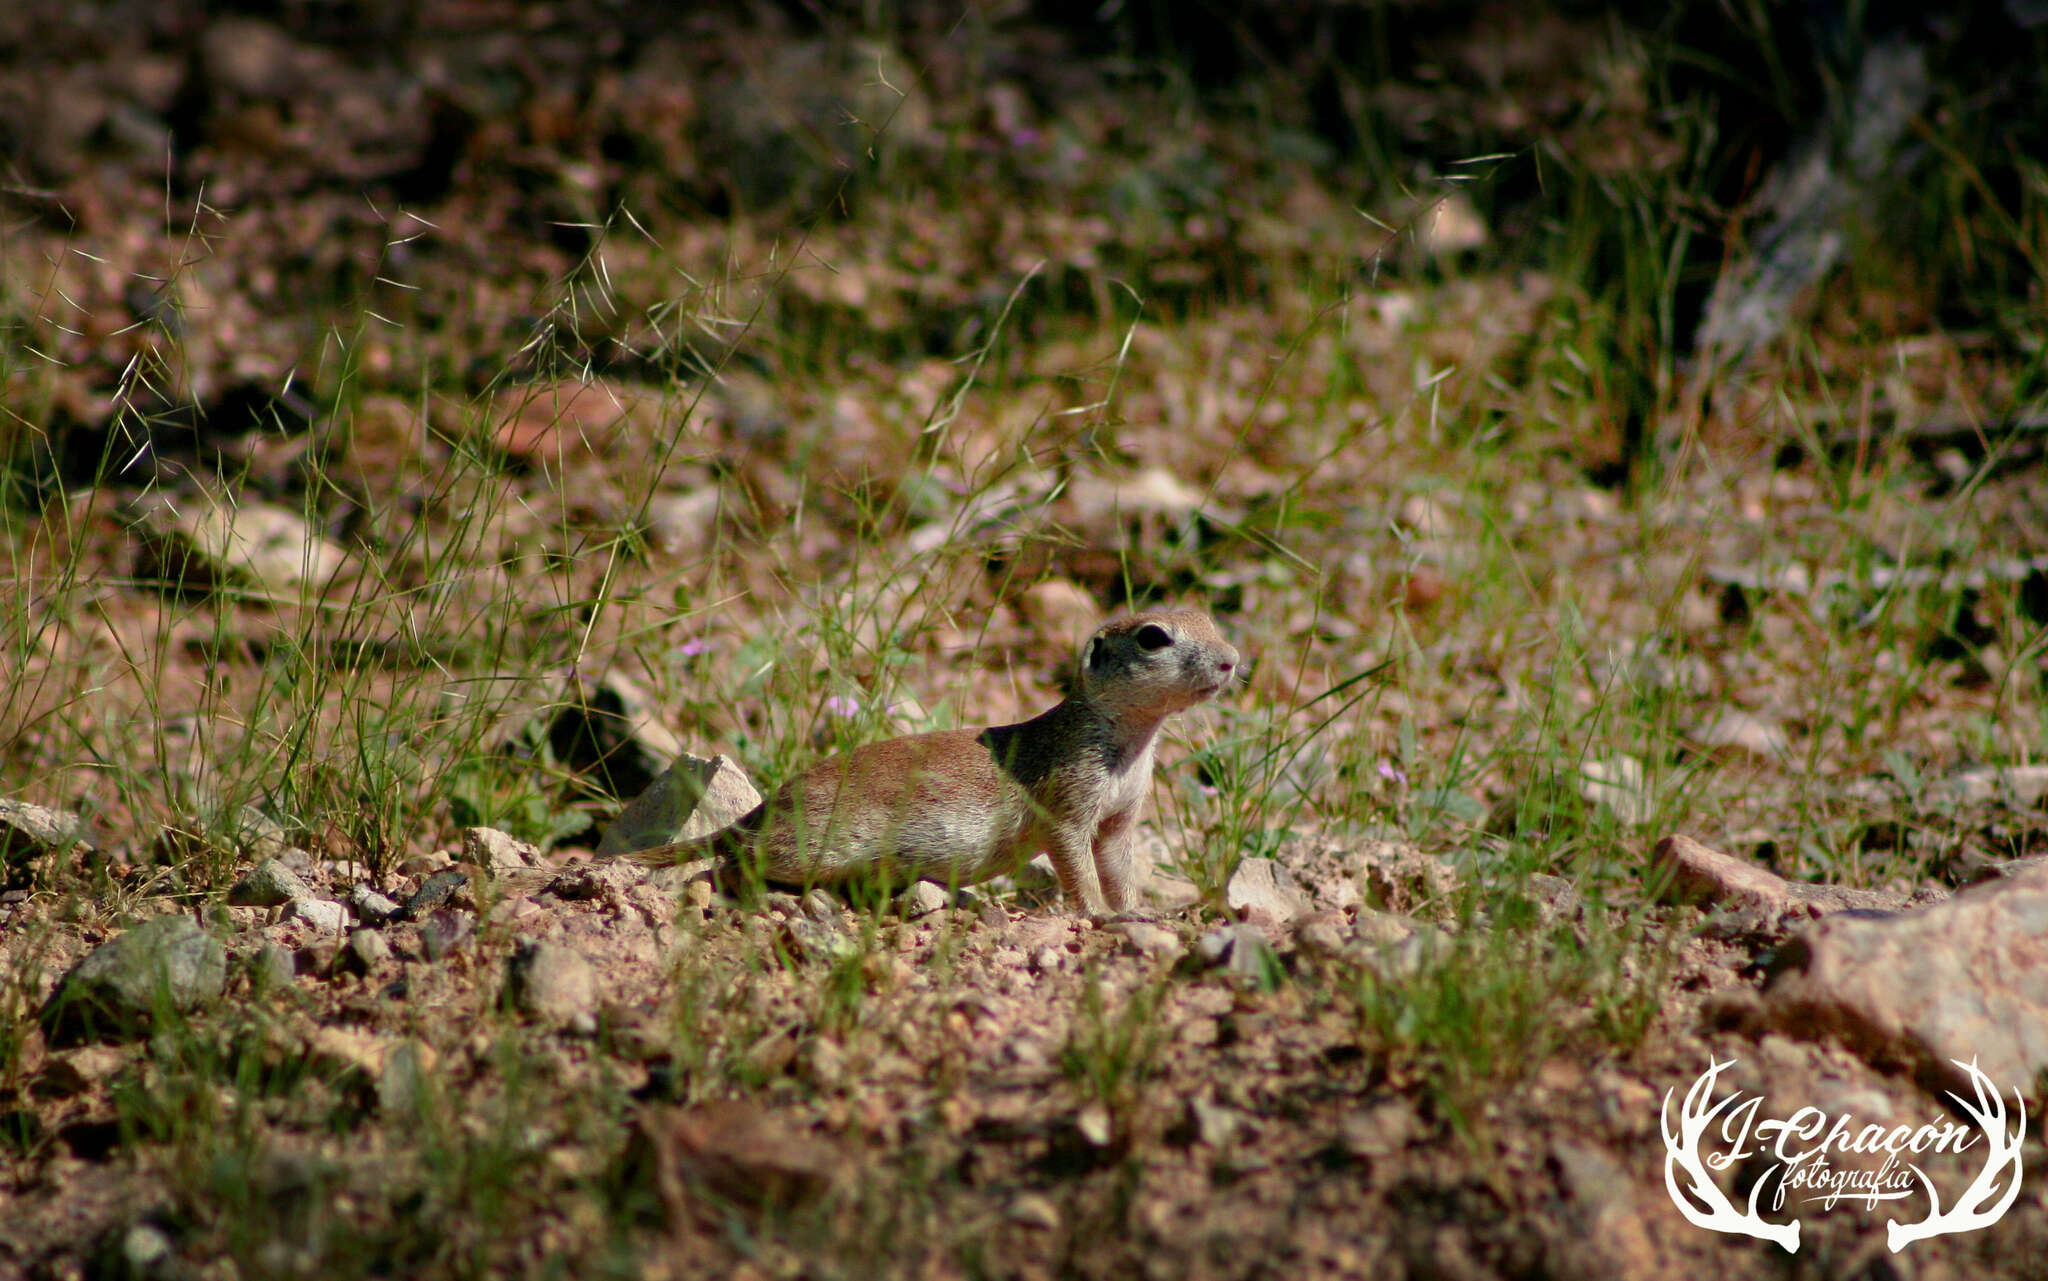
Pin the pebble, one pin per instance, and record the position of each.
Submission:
(272, 967)
(367, 949)
(552, 982)
(371, 907)
(1034, 1211)
(269, 884)
(444, 932)
(921, 899)
(1147, 939)
(322, 914)
(1264, 892)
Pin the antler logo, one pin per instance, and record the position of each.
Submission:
(1801, 1144)
(2002, 1157)
(1700, 1200)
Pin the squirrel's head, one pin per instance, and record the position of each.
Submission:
(1155, 663)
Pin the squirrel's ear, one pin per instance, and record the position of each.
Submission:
(1088, 653)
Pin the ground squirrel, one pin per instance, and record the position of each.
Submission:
(961, 806)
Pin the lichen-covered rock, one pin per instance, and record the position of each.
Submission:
(121, 987)
(269, 884)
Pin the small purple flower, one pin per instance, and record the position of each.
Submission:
(695, 646)
(1393, 774)
(842, 705)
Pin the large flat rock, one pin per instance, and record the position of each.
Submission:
(1960, 980)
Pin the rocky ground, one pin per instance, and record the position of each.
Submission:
(1173, 1096)
(426, 425)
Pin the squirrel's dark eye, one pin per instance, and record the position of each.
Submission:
(1153, 636)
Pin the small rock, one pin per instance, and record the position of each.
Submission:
(1700, 873)
(822, 907)
(1037, 877)
(1323, 934)
(517, 910)
(402, 1083)
(268, 884)
(684, 524)
(445, 931)
(425, 864)
(1610, 1231)
(272, 967)
(365, 951)
(1048, 960)
(1555, 898)
(143, 1247)
(1621, 785)
(32, 832)
(695, 880)
(321, 914)
(1094, 1123)
(1034, 1211)
(2019, 786)
(814, 940)
(316, 957)
(1427, 516)
(694, 797)
(116, 990)
(1214, 1124)
(1101, 504)
(604, 880)
(1379, 1130)
(1397, 876)
(1384, 929)
(370, 907)
(1394, 949)
(1746, 732)
(37, 827)
(253, 833)
(250, 58)
(497, 851)
(552, 982)
(1451, 225)
(350, 1049)
(1693, 872)
(1263, 892)
(1744, 587)
(1147, 939)
(921, 899)
(205, 542)
(1242, 951)
(1422, 588)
